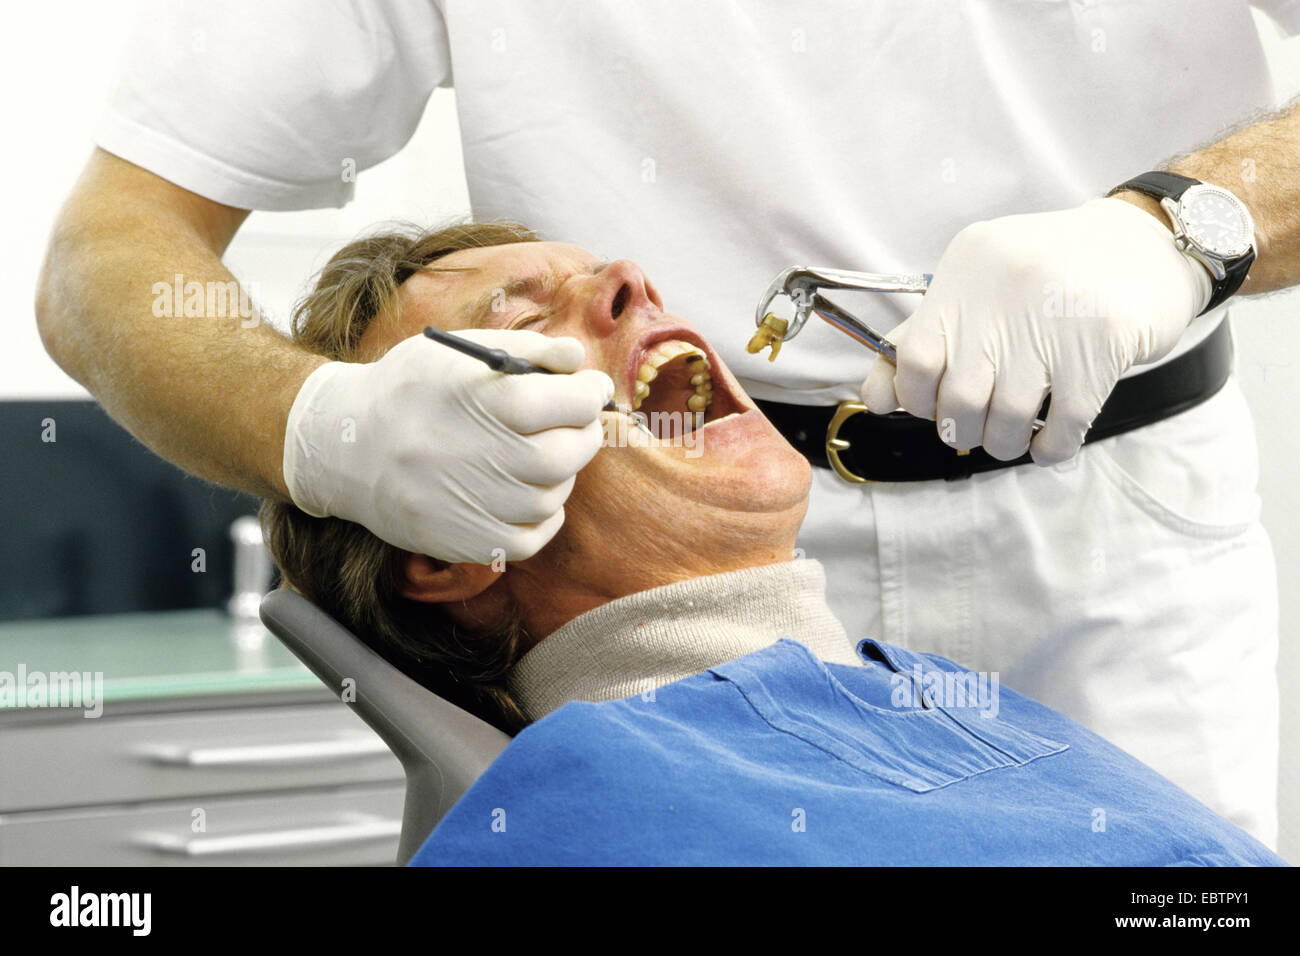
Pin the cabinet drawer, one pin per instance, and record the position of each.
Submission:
(84, 762)
(344, 827)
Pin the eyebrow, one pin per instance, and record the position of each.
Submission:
(539, 287)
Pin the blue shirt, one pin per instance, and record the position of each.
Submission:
(778, 758)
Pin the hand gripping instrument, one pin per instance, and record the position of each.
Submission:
(801, 285)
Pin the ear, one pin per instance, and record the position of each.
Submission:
(437, 582)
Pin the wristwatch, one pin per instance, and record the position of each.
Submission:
(1210, 224)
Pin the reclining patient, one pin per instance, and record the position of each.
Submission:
(686, 695)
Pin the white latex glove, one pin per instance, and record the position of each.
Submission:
(436, 453)
(1065, 301)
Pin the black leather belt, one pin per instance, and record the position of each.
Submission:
(899, 447)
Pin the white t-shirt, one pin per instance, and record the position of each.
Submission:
(713, 143)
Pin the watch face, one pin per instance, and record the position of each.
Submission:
(1216, 222)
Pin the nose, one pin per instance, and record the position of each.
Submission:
(618, 290)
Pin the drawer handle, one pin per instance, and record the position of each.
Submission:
(310, 751)
(305, 838)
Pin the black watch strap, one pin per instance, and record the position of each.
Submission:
(1158, 185)
(1235, 275)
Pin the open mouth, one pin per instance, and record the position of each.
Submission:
(675, 392)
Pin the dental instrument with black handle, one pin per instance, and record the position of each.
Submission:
(499, 360)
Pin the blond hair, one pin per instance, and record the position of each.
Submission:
(341, 566)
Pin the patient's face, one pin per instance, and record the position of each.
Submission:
(729, 495)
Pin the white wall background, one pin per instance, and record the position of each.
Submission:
(57, 59)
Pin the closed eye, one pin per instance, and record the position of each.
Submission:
(530, 321)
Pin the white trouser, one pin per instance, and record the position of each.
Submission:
(1132, 588)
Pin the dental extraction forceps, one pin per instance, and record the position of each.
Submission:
(800, 285)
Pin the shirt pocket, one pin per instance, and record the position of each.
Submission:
(919, 749)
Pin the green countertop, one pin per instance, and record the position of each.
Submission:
(152, 656)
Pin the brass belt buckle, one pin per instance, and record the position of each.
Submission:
(835, 444)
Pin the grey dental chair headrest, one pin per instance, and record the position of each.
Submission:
(443, 749)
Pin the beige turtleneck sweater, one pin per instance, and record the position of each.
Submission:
(636, 643)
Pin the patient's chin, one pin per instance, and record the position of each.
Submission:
(768, 476)
(765, 471)
(746, 466)
(778, 481)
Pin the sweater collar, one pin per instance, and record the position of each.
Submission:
(636, 643)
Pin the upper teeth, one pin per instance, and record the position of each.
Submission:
(660, 355)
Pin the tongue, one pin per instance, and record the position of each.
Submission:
(669, 393)
(667, 413)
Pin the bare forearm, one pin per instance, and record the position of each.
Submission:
(1260, 164)
(210, 393)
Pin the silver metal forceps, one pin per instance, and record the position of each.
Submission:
(800, 285)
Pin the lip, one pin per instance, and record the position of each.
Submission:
(727, 398)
